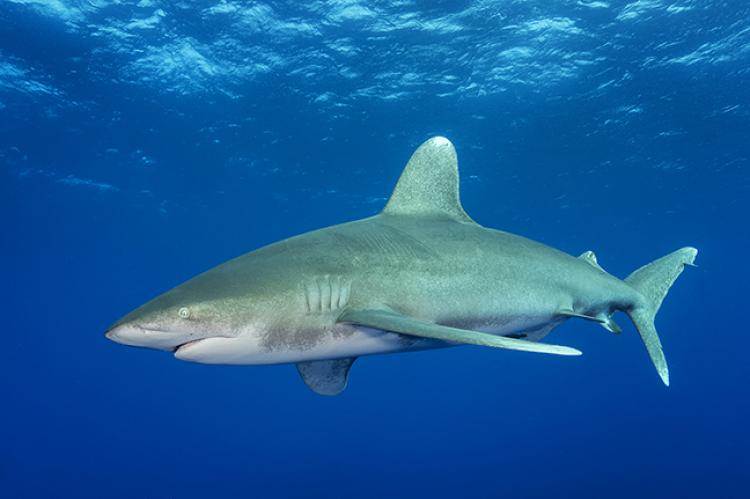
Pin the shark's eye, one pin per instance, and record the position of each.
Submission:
(184, 312)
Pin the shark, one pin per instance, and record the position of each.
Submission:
(421, 274)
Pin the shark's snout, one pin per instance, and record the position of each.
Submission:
(135, 335)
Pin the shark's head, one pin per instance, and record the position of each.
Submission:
(186, 314)
(224, 315)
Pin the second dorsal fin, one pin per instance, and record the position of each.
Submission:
(428, 186)
(590, 258)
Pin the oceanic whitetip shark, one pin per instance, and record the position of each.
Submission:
(420, 274)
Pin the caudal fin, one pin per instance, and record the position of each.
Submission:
(653, 282)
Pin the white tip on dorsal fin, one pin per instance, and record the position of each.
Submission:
(428, 185)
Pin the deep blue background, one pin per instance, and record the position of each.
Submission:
(135, 153)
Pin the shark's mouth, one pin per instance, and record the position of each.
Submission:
(187, 345)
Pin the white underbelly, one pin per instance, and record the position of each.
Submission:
(250, 349)
(371, 341)
(350, 341)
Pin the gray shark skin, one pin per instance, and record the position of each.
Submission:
(419, 275)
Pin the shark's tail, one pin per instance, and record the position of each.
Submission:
(653, 281)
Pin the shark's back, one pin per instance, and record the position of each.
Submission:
(424, 237)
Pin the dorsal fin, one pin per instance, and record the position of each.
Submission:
(590, 258)
(428, 185)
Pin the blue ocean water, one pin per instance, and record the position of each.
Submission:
(144, 142)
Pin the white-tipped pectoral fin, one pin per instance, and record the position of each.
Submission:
(391, 321)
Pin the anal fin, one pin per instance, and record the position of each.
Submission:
(604, 320)
(326, 377)
(610, 325)
(570, 313)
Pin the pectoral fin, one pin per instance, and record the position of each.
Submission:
(391, 321)
(326, 377)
